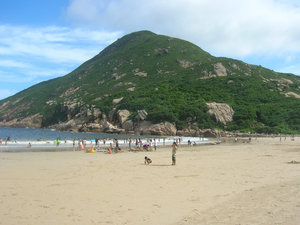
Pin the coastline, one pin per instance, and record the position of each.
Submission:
(230, 183)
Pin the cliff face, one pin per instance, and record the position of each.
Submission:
(154, 84)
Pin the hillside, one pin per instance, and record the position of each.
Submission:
(157, 84)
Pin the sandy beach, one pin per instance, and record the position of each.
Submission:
(229, 183)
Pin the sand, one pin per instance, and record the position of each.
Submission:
(230, 183)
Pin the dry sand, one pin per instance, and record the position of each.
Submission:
(230, 183)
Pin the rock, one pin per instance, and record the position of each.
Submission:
(187, 132)
(117, 77)
(196, 132)
(88, 112)
(165, 128)
(73, 125)
(142, 127)
(289, 94)
(147, 128)
(117, 100)
(111, 114)
(139, 73)
(34, 121)
(208, 133)
(131, 89)
(141, 115)
(128, 125)
(223, 112)
(96, 112)
(184, 64)
(123, 115)
(51, 102)
(220, 70)
(110, 128)
(69, 92)
(92, 127)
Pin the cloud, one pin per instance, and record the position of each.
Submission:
(55, 44)
(13, 63)
(233, 28)
(29, 55)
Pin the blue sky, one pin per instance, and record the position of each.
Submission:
(41, 40)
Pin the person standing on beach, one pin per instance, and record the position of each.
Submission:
(174, 150)
(73, 144)
(130, 144)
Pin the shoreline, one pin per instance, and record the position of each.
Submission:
(99, 149)
(67, 145)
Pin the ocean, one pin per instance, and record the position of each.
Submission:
(33, 134)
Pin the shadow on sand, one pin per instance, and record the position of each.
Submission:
(162, 165)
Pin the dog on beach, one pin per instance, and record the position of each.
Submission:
(147, 160)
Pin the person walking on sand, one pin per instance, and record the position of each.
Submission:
(174, 150)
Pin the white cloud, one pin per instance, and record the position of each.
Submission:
(13, 63)
(233, 27)
(56, 44)
(29, 55)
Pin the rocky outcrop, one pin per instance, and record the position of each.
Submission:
(117, 100)
(139, 73)
(165, 128)
(128, 126)
(110, 128)
(141, 115)
(223, 112)
(34, 121)
(200, 132)
(289, 94)
(147, 128)
(220, 70)
(123, 115)
(131, 89)
(185, 64)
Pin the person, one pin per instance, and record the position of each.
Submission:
(73, 144)
(111, 148)
(140, 144)
(130, 143)
(147, 160)
(155, 144)
(117, 145)
(174, 150)
(57, 142)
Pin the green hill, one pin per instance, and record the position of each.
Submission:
(171, 79)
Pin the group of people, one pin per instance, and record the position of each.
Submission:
(139, 145)
(8, 139)
(134, 145)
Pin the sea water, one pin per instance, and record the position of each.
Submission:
(32, 138)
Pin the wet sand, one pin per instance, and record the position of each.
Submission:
(230, 183)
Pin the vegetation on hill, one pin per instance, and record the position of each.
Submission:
(172, 80)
